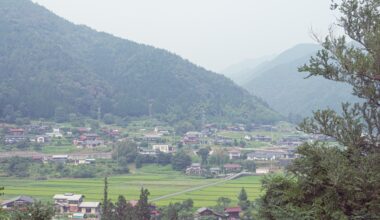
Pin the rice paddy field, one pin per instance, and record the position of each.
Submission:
(159, 180)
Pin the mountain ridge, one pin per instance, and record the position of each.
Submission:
(43, 57)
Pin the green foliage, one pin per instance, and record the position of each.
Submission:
(36, 211)
(180, 161)
(106, 204)
(244, 203)
(338, 182)
(143, 211)
(204, 153)
(77, 70)
(123, 209)
(179, 211)
(124, 153)
(223, 203)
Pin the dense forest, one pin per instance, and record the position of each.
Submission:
(50, 67)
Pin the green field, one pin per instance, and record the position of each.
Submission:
(159, 180)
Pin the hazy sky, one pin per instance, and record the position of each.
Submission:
(210, 33)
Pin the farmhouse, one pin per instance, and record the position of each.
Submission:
(90, 208)
(16, 131)
(234, 154)
(163, 148)
(73, 203)
(232, 168)
(13, 139)
(203, 213)
(233, 213)
(55, 134)
(194, 170)
(17, 202)
(267, 155)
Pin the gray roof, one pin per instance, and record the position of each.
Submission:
(23, 198)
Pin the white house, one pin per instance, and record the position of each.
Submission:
(163, 148)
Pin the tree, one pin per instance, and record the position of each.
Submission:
(243, 199)
(106, 207)
(143, 211)
(172, 213)
(40, 211)
(121, 208)
(223, 202)
(340, 182)
(203, 153)
(180, 161)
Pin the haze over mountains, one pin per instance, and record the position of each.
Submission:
(48, 63)
(279, 83)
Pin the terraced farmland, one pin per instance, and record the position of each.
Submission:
(159, 180)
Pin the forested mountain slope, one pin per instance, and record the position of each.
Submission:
(48, 63)
(287, 91)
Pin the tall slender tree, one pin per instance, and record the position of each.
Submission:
(143, 210)
(341, 182)
(106, 206)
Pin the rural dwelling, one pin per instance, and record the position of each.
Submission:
(202, 213)
(152, 137)
(74, 204)
(16, 131)
(90, 208)
(55, 134)
(233, 213)
(17, 202)
(234, 154)
(232, 168)
(194, 170)
(192, 137)
(163, 148)
(267, 155)
(263, 170)
(13, 139)
(68, 202)
(60, 158)
(40, 139)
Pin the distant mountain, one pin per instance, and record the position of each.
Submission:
(49, 66)
(244, 71)
(288, 92)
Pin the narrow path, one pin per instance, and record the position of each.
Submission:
(196, 188)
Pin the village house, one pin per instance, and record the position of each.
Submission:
(90, 208)
(219, 140)
(68, 202)
(16, 131)
(147, 152)
(192, 137)
(202, 213)
(262, 138)
(55, 134)
(267, 155)
(59, 158)
(233, 213)
(232, 168)
(17, 202)
(234, 154)
(73, 203)
(152, 137)
(13, 139)
(215, 171)
(163, 148)
(88, 141)
(161, 131)
(194, 170)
